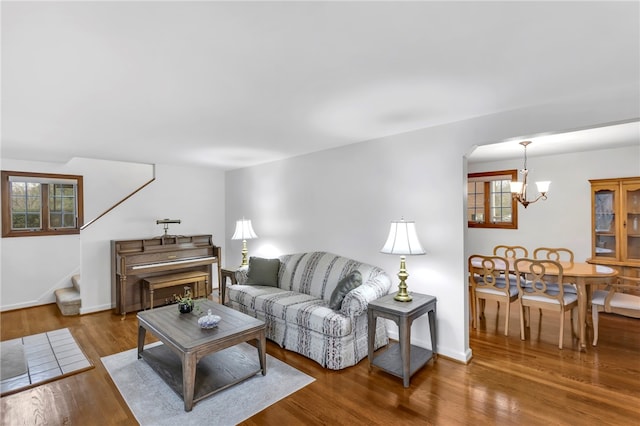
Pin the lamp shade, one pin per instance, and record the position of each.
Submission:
(516, 187)
(543, 186)
(402, 239)
(244, 230)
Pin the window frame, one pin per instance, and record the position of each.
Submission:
(487, 202)
(46, 180)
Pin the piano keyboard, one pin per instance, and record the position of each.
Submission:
(175, 262)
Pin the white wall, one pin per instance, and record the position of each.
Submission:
(33, 267)
(564, 219)
(342, 200)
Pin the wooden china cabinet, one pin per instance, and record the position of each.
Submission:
(615, 224)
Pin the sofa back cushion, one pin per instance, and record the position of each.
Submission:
(318, 273)
(263, 271)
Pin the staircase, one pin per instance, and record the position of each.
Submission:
(68, 298)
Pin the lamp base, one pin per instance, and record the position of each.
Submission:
(403, 295)
(245, 252)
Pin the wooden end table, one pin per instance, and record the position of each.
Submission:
(226, 273)
(402, 359)
(186, 347)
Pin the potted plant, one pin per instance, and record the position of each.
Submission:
(185, 301)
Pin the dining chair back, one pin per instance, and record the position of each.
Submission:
(538, 287)
(514, 252)
(559, 254)
(490, 280)
(620, 298)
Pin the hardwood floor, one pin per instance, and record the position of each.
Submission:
(508, 381)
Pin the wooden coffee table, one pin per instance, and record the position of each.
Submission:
(189, 350)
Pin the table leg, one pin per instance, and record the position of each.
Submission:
(262, 352)
(371, 330)
(405, 350)
(432, 330)
(222, 287)
(188, 379)
(582, 310)
(141, 335)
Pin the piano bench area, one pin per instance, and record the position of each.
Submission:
(198, 278)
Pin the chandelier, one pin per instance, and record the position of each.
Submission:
(519, 189)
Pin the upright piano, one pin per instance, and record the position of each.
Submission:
(134, 260)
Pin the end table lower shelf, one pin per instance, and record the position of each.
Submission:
(390, 360)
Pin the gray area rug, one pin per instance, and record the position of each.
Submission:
(40, 358)
(153, 402)
(12, 358)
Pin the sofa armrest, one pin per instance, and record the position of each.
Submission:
(241, 275)
(356, 302)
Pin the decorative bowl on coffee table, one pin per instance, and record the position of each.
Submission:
(209, 320)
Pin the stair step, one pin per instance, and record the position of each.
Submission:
(68, 300)
(76, 281)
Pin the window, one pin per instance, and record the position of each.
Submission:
(489, 200)
(41, 204)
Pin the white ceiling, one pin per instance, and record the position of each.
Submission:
(233, 84)
(606, 137)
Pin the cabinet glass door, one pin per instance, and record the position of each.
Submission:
(605, 223)
(632, 225)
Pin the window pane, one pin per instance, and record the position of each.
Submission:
(69, 220)
(475, 202)
(55, 220)
(18, 221)
(33, 220)
(500, 201)
(33, 189)
(62, 205)
(25, 205)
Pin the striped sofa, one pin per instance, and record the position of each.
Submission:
(297, 313)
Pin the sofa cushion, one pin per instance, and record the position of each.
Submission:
(317, 316)
(270, 300)
(348, 283)
(263, 271)
(318, 273)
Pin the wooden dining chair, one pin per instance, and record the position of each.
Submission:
(514, 252)
(487, 280)
(620, 298)
(536, 290)
(559, 254)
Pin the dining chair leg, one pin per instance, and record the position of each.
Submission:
(472, 302)
(476, 319)
(522, 313)
(575, 331)
(506, 320)
(594, 317)
(561, 329)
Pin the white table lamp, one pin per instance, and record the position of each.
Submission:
(244, 231)
(402, 240)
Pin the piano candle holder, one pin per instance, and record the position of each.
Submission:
(166, 223)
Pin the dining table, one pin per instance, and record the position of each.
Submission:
(583, 275)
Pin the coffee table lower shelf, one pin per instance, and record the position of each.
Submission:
(215, 372)
(390, 359)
